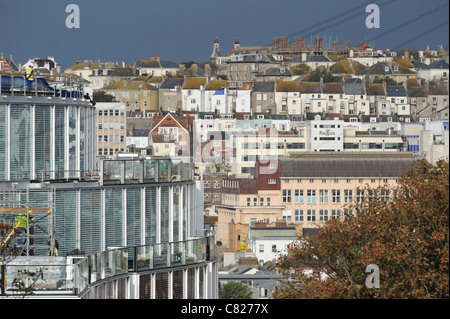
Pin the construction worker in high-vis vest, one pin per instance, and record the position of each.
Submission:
(20, 221)
(30, 74)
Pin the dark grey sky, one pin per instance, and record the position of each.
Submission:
(184, 30)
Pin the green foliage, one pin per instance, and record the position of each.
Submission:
(102, 96)
(300, 69)
(406, 235)
(388, 79)
(235, 290)
(321, 72)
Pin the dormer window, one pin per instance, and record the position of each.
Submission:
(373, 119)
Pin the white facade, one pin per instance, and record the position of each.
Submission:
(193, 99)
(326, 135)
(288, 102)
(216, 100)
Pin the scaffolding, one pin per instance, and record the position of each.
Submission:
(30, 217)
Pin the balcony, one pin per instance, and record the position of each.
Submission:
(71, 277)
(154, 170)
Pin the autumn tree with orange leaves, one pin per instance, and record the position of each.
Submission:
(403, 231)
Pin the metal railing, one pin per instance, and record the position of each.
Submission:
(22, 276)
(63, 86)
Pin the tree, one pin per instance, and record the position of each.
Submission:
(405, 234)
(300, 69)
(102, 96)
(320, 72)
(389, 80)
(235, 290)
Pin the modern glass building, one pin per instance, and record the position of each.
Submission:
(135, 217)
(46, 135)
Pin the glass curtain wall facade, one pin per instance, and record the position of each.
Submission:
(117, 216)
(45, 138)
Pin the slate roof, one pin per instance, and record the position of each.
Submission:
(395, 90)
(277, 71)
(168, 64)
(344, 166)
(264, 87)
(171, 83)
(441, 64)
(312, 58)
(354, 87)
(378, 68)
(140, 133)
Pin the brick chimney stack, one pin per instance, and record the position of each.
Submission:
(318, 44)
(300, 42)
(347, 44)
(284, 42)
(276, 42)
(335, 45)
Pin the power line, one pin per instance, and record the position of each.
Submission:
(412, 20)
(417, 36)
(342, 19)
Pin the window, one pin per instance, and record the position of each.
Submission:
(286, 195)
(248, 201)
(335, 213)
(261, 248)
(268, 201)
(311, 215)
(336, 196)
(274, 248)
(348, 195)
(261, 201)
(207, 184)
(385, 196)
(311, 195)
(323, 215)
(298, 215)
(299, 195)
(255, 201)
(216, 184)
(323, 195)
(359, 196)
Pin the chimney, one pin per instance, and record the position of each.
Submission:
(276, 42)
(284, 42)
(318, 44)
(335, 45)
(361, 44)
(260, 223)
(280, 223)
(347, 44)
(300, 42)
